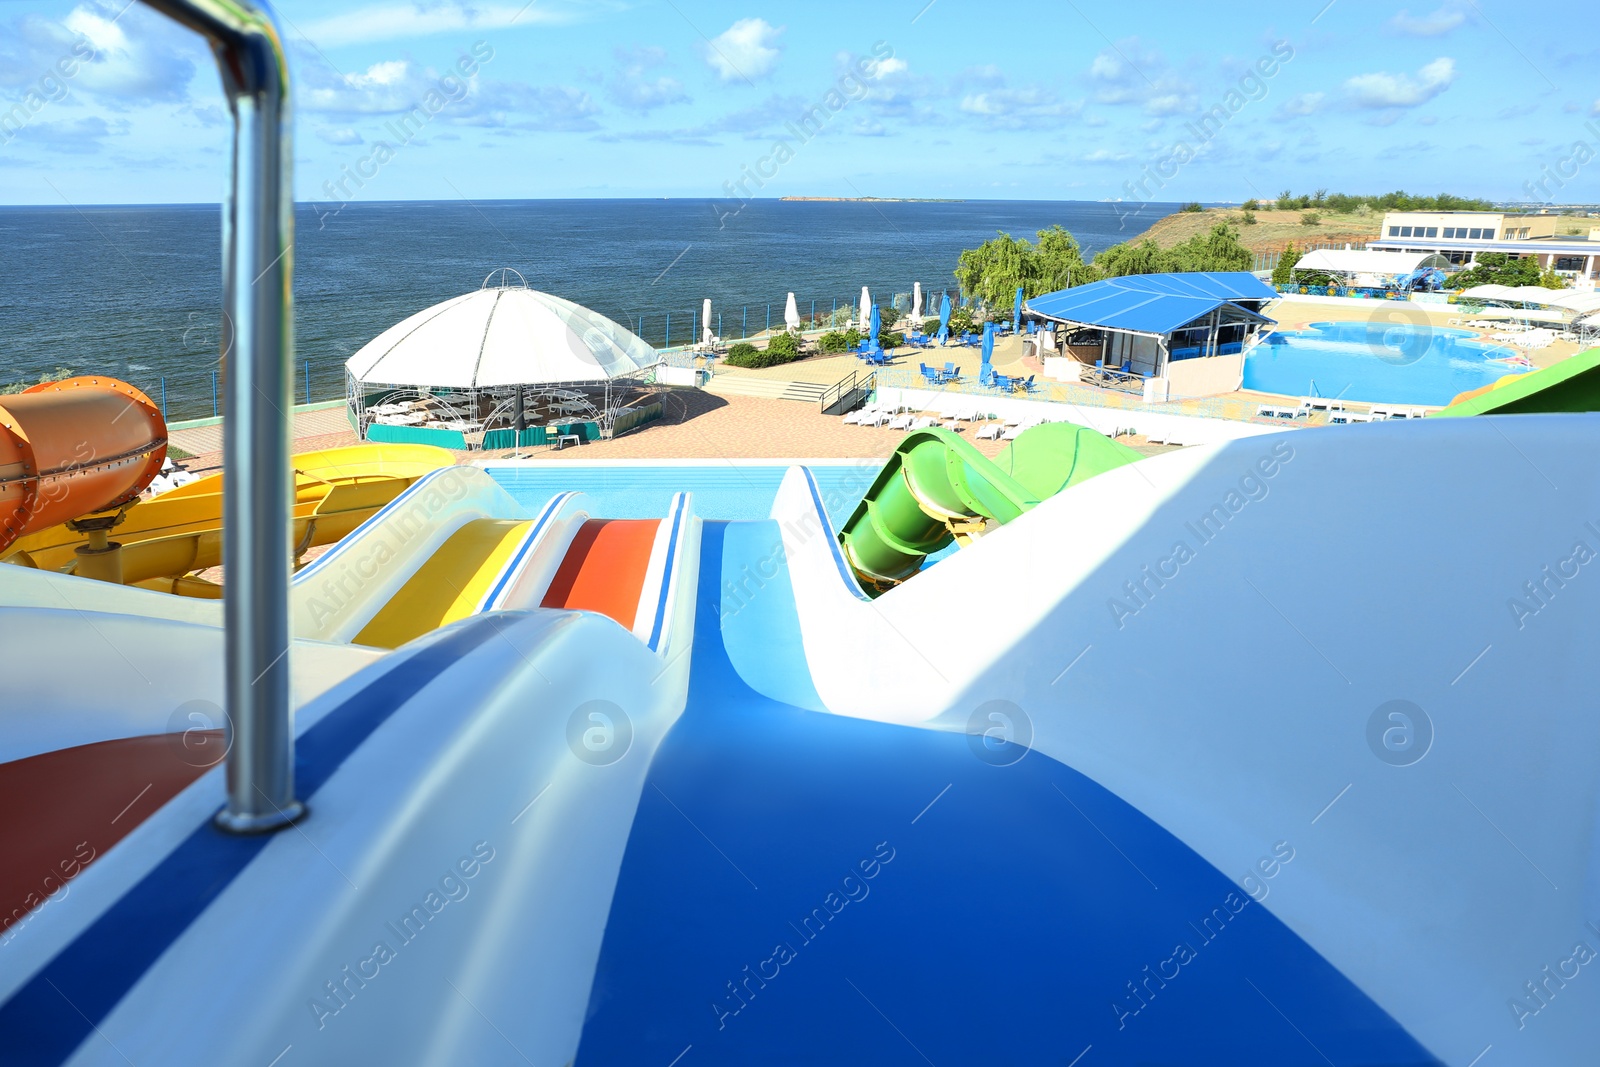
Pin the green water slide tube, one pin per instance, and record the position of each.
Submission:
(937, 488)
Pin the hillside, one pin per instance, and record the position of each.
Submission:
(1272, 230)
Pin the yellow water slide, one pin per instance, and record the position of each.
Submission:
(167, 538)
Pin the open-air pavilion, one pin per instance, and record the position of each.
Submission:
(505, 362)
(1140, 331)
(1367, 269)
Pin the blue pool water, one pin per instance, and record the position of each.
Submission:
(721, 490)
(1387, 362)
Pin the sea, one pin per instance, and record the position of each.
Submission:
(135, 291)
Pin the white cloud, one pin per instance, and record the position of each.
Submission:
(1403, 90)
(1029, 107)
(120, 57)
(745, 51)
(78, 137)
(388, 22)
(1301, 105)
(1436, 24)
(633, 87)
(1131, 73)
(341, 136)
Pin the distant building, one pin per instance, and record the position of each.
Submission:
(1461, 236)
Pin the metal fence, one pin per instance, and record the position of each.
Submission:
(677, 329)
(199, 394)
(1270, 260)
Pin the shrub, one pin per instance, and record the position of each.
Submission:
(1193, 207)
(1310, 218)
(852, 337)
(889, 316)
(890, 339)
(961, 320)
(784, 344)
(930, 325)
(833, 341)
(783, 348)
(1249, 218)
(1252, 204)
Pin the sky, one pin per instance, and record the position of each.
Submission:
(105, 102)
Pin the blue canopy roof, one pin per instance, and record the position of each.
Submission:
(1151, 303)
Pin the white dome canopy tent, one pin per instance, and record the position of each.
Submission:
(472, 360)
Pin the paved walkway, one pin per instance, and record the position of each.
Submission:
(310, 431)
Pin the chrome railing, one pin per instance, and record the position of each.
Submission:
(258, 354)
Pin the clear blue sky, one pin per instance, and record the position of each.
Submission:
(1033, 99)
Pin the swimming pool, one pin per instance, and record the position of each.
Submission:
(1386, 362)
(722, 489)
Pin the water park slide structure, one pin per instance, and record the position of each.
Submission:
(937, 488)
(1570, 385)
(1207, 708)
(74, 447)
(166, 538)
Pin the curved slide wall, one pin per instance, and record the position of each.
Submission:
(482, 779)
(1178, 629)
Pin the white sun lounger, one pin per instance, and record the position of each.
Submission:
(924, 422)
(990, 432)
(900, 422)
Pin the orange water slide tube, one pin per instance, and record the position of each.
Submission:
(73, 448)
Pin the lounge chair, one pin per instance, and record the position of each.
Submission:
(924, 422)
(900, 422)
(990, 432)
(1027, 385)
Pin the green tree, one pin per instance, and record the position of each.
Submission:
(1058, 264)
(1133, 257)
(1287, 201)
(1218, 250)
(1497, 268)
(1282, 274)
(1551, 280)
(994, 270)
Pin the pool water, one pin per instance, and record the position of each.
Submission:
(1392, 362)
(722, 490)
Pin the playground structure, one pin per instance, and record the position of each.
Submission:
(164, 540)
(937, 488)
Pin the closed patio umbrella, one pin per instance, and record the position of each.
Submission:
(706, 336)
(1016, 313)
(791, 314)
(866, 305)
(944, 317)
(916, 301)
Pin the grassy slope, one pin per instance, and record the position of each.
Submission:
(1273, 229)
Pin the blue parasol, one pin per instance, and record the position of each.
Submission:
(944, 318)
(877, 326)
(1016, 313)
(988, 343)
